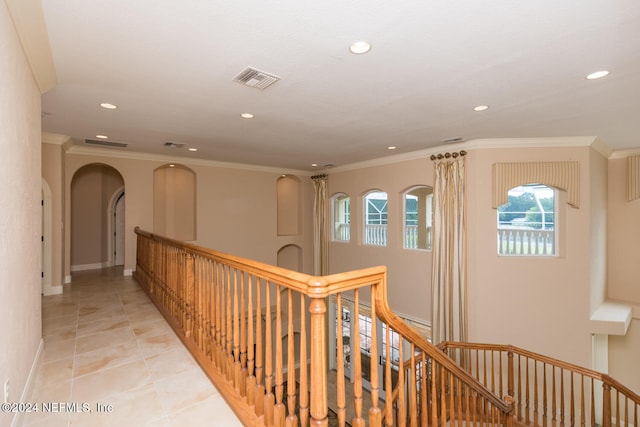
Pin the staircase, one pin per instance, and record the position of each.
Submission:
(260, 333)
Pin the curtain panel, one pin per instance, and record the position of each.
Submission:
(320, 226)
(449, 279)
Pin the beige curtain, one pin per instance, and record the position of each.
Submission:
(320, 226)
(449, 280)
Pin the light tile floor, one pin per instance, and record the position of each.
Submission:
(105, 343)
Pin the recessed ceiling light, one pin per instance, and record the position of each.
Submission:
(102, 136)
(597, 75)
(360, 47)
(481, 108)
(193, 149)
(314, 164)
(108, 106)
(246, 115)
(391, 147)
(172, 166)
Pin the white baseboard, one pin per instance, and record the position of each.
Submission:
(52, 290)
(67, 279)
(94, 266)
(127, 272)
(28, 387)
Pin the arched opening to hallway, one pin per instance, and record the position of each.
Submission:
(96, 190)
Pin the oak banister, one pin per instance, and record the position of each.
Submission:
(391, 319)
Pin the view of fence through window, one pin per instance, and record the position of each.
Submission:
(341, 218)
(375, 218)
(526, 223)
(418, 218)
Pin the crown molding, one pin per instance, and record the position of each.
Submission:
(54, 138)
(621, 154)
(161, 158)
(480, 144)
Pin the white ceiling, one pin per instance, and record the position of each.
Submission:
(168, 65)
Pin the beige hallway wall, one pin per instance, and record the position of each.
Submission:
(236, 206)
(20, 215)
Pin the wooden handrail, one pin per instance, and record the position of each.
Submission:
(231, 313)
(570, 388)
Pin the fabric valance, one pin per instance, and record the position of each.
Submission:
(562, 175)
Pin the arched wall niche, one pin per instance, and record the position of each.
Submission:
(92, 188)
(290, 257)
(174, 202)
(289, 193)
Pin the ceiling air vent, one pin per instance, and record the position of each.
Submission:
(253, 77)
(173, 144)
(105, 143)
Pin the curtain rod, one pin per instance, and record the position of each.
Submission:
(323, 175)
(447, 155)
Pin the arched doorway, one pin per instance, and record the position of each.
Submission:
(95, 191)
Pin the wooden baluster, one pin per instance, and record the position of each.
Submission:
(582, 405)
(260, 389)
(424, 413)
(606, 405)
(202, 292)
(223, 319)
(357, 421)
(243, 339)
(572, 403)
(269, 398)
(220, 329)
(527, 386)
(617, 404)
(554, 408)
(292, 419)
(236, 334)
(493, 372)
(340, 384)
(434, 392)
(593, 404)
(451, 390)
(562, 406)
(229, 312)
(544, 395)
(279, 409)
(442, 394)
(189, 289)
(402, 409)
(413, 398)
(375, 416)
(388, 385)
(251, 363)
(304, 380)
(535, 392)
(500, 373)
(319, 400)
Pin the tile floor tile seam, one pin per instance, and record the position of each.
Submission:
(116, 365)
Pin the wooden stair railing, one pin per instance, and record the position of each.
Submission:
(547, 391)
(258, 330)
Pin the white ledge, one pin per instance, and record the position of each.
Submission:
(611, 319)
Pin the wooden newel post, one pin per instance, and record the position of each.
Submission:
(510, 416)
(606, 405)
(319, 400)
